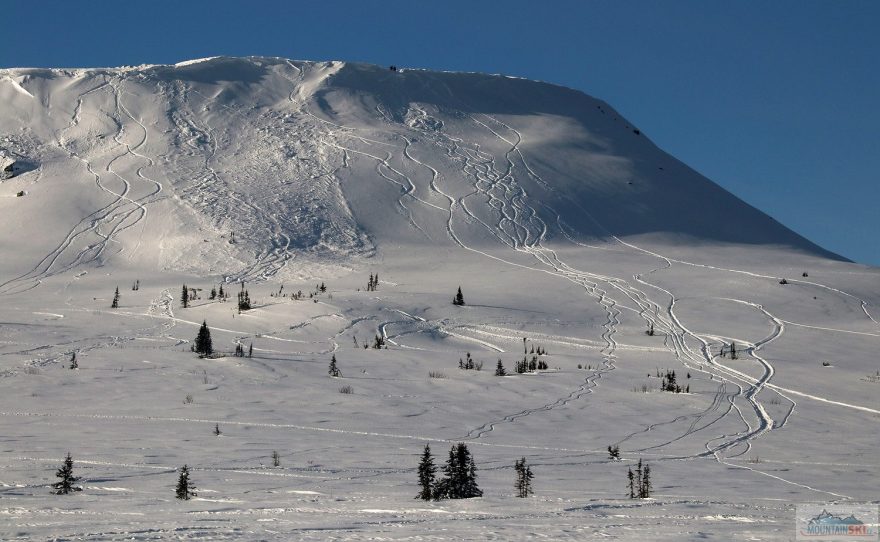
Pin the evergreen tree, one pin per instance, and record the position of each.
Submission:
(499, 369)
(459, 298)
(333, 370)
(427, 471)
(459, 475)
(732, 350)
(220, 293)
(184, 297)
(523, 478)
(217, 431)
(645, 491)
(67, 480)
(115, 303)
(213, 295)
(614, 452)
(251, 350)
(185, 488)
(244, 300)
(322, 287)
(276, 459)
(639, 479)
(73, 363)
(203, 340)
(632, 484)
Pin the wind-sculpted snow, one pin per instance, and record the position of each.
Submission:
(567, 230)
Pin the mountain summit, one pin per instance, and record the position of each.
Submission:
(329, 161)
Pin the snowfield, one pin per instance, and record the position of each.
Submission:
(566, 229)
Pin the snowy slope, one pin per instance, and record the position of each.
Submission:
(560, 220)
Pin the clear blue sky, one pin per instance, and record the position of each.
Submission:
(775, 101)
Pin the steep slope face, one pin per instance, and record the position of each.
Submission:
(234, 166)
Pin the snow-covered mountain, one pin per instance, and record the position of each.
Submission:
(328, 161)
(564, 225)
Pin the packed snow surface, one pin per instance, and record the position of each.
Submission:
(566, 228)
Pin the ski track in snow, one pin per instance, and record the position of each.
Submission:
(499, 191)
(520, 234)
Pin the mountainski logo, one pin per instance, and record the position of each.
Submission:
(837, 522)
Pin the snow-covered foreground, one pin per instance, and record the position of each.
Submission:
(562, 225)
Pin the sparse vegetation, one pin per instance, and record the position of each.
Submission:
(185, 488)
(524, 477)
(66, 481)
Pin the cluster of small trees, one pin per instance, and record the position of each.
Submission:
(459, 475)
(669, 384)
(532, 365)
(220, 294)
(239, 350)
(731, 350)
(524, 477)
(373, 283)
(639, 481)
(469, 364)
(244, 300)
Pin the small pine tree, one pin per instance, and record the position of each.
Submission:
(499, 369)
(220, 293)
(523, 478)
(203, 341)
(427, 472)
(67, 480)
(276, 459)
(73, 363)
(184, 297)
(645, 485)
(322, 287)
(251, 350)
(213, 295)
(732, 350)
(614, 452)
(185, 488)
(333, 370)
(217, 431)
(115, 303)
(639, 479)
(459, 298)
(632, 483)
